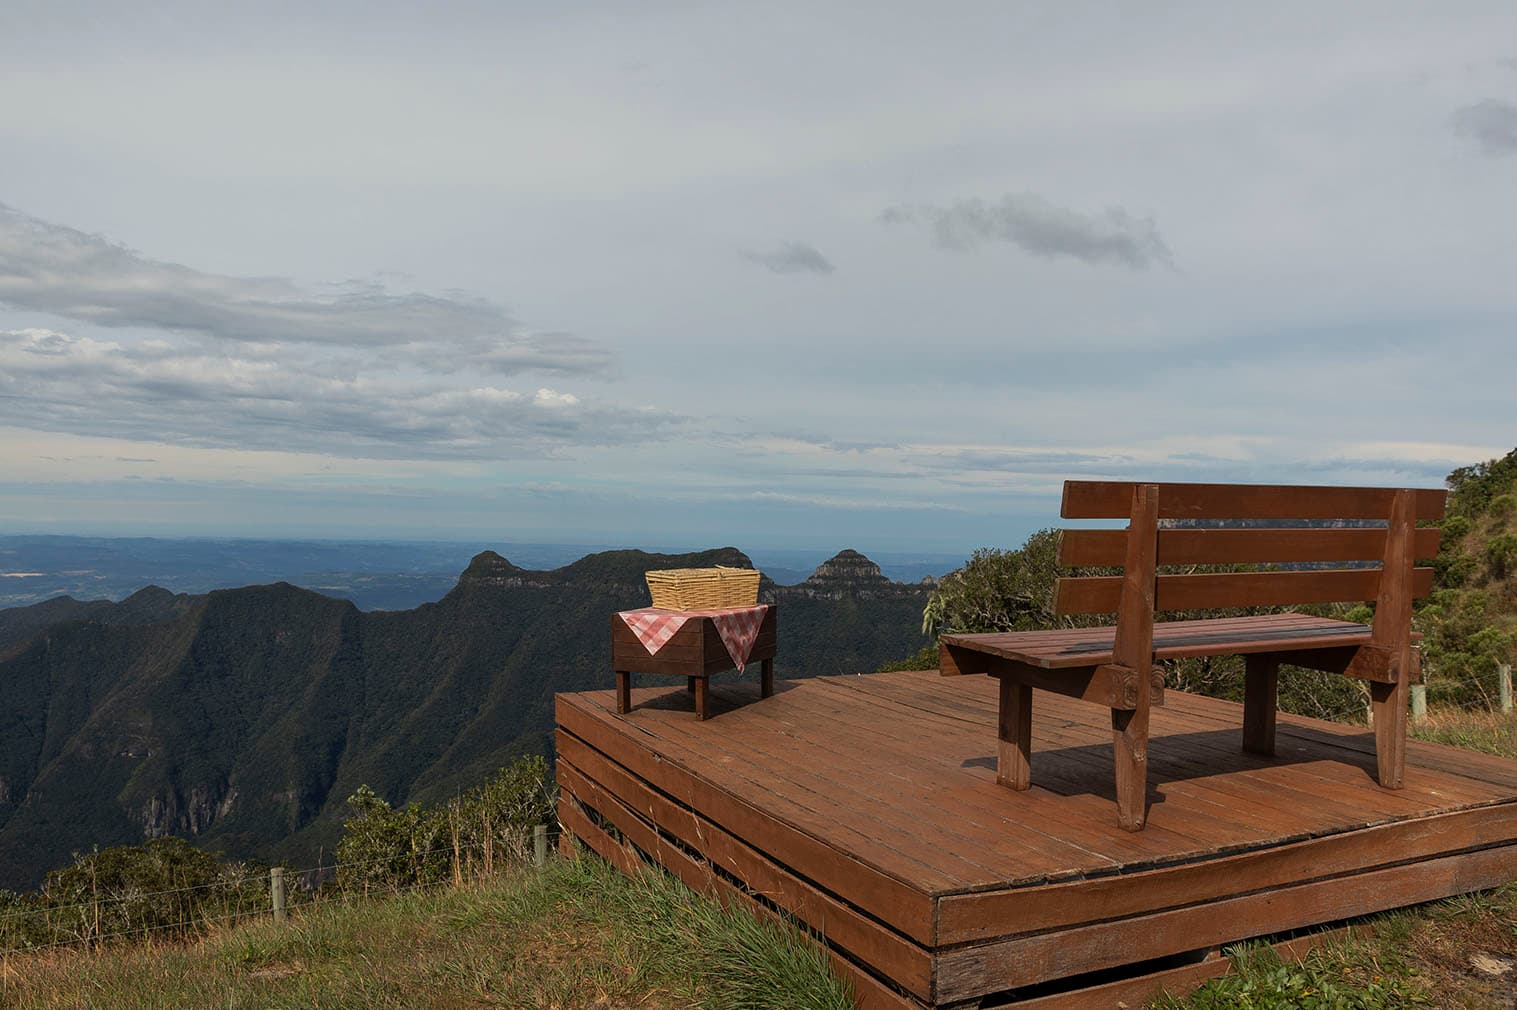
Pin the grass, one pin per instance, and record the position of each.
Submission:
(576, 934)
(1490, 732)
(1459, 954)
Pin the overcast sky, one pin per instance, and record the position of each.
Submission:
(864, 275)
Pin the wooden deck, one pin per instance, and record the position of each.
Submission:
(867, 807)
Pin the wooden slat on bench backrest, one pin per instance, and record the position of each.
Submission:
(1234, 589)
(1090, 499)
(1107, 548)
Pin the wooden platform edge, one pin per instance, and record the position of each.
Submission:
(869, 992)
(980, 915)
(645, 818)
(718, 843)
(887, 899)
(967, 972)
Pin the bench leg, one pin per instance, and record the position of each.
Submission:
(1388, 703)
(1261, 679)
(702, 697)
(623, 692)
(766, 678)
(1129, 734)
(1014, 756)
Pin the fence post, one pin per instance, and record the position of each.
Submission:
(540, 844)
(276, 887)
(1419, 704)
(1504, 686)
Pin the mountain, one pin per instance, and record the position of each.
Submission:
(375, 575)
(244, 718)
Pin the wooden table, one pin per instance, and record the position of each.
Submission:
(695, 652)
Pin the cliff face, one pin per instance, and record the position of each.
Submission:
(244, 718)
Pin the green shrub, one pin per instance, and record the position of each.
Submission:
(1501, 555)
(924, 659)
(1455, 528)
(1503, 505)
(1473, 487)
(998, 590)
(1453, 569)
(488, 827)
(163, 887)
(383, 847)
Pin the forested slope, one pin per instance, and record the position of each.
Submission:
(244, 718)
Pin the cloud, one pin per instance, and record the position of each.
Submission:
(982, 472)
(46, 267)
(1491, 123)
(263, 364)
(1036, 226)
(792, 258)
(298, 402)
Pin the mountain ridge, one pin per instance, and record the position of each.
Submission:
(243, 718)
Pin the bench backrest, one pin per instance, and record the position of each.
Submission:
(1145, 544)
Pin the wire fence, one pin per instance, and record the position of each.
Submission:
(201, 924)
(233, 883)
(1472, 692)
(41, 926)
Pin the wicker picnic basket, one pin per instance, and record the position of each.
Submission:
(703, 588)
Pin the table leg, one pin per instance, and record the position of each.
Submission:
(766, 678)
(690, 684)
(623, 692)
(702, 697)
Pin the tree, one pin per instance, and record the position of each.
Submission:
(998, 590)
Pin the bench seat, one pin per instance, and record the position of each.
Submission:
(1222, 636)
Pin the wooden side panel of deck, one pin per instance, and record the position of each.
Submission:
(867, 808)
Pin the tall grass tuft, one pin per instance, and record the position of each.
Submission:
(735, 958)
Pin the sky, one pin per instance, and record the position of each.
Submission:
(871, 275)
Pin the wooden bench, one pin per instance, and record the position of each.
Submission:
(1114, 666)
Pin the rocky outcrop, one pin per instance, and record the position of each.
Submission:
(173, 814)
(847, 574)
(847, 566)
(490, 569)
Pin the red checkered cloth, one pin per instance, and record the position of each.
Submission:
(738, 627)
